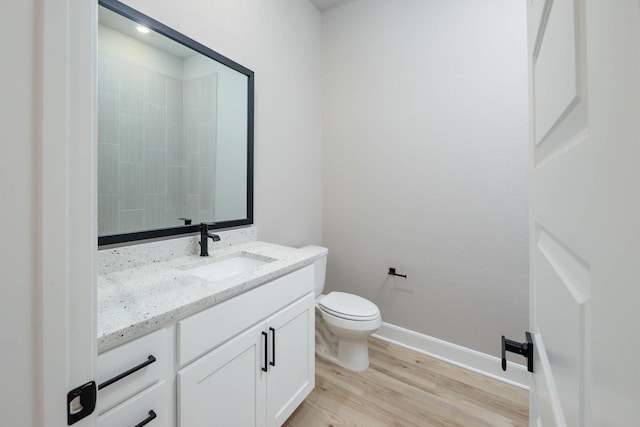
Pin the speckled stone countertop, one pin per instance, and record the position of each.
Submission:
(148, 295)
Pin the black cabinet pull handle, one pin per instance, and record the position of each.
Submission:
(151, 417)
(107, 383)
(273, 347)
(266, 344)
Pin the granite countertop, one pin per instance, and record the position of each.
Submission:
(136, 300)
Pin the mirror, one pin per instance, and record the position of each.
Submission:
(175, 131)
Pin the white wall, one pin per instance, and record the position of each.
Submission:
(424, 146)
(280, 40)
(17, 185)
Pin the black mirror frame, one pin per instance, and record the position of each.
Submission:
(158, 27)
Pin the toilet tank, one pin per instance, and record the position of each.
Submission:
(320, 267)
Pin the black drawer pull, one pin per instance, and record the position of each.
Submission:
(273, 347)
(151, 417)
(107, 383)
(266, 344)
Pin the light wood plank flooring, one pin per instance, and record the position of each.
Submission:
(405, 388)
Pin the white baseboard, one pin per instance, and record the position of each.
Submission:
(472, 360)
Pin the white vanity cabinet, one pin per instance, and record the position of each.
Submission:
(262, 364)
(247, 361)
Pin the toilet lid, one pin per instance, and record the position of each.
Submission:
(349, 306)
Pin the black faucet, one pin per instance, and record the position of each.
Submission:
(204, 238)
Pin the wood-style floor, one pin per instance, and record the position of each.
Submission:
(405, 388)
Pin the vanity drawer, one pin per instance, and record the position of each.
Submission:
(208, 329)
(146, 357)
(151, 404)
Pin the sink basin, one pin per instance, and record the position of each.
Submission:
(228, 267)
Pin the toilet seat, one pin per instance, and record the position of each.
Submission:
(349, 307)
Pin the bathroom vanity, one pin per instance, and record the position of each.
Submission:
(232, 345)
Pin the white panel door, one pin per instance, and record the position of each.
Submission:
(585, 211)
(292, 360)
(226, 387)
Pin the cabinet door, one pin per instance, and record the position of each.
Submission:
(291, 361)
(227, 386)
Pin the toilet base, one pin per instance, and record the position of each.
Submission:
(357, 364)
(350, 353)
(353, 354)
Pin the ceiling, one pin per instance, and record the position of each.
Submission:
(126, 26)
(323, 5)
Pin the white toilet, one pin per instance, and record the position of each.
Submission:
(343, 323)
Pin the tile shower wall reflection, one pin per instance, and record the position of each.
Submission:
(156, 146)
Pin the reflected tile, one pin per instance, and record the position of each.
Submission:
(131, 220)
(107, 214)
(175, 187)
(174, 101)
(130, 185)
(155, 127)
(107, 117)
(207, 145)
(207, 185)
(171, 216)
(108, 168)
(130, 88)
(107, 73)
(131, 137)
(193, 174)
(155, 90)
(154, 171)
(207, 215)
(154, 211)
(175, 147)
(192, 207)
(209, 97)
(192, 92)
(191, 132)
